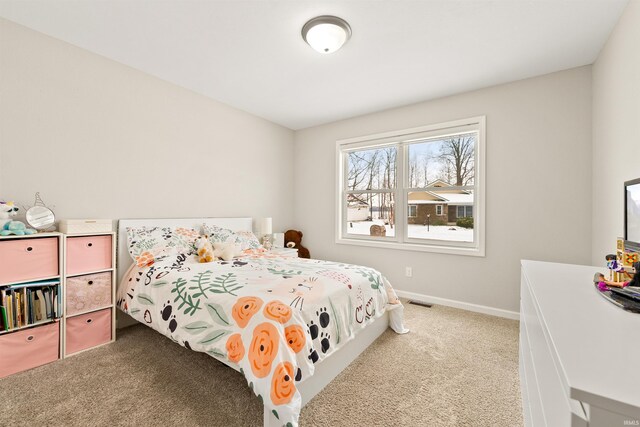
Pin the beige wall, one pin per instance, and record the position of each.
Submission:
(538, 179)
(99, 139)
(616, 129)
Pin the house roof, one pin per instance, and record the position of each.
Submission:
(439, 183)
(436, 198)
(354, 200)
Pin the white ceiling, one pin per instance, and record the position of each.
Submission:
(249, 54)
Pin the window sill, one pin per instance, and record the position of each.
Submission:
(449, 250)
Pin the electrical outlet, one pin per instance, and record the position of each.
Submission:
(408, 271)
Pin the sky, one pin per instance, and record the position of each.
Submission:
(419, 151)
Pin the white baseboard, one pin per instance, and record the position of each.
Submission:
(459, 304)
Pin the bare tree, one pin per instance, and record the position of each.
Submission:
(425, 170)
(457, 154)
(357, 171)
(446, 172)
(389, 156)
(373, 170)
(413, 171)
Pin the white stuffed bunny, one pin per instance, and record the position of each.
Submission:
(225, 251)
(7, 211)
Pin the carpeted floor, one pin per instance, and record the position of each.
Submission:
(455, 368)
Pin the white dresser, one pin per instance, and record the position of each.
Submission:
(579, 354)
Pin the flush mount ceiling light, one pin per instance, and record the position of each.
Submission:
(326, 34)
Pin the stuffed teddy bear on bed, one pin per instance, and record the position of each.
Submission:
(293, 239)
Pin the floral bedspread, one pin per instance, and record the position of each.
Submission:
(273, 317)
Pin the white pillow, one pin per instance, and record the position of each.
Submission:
(147, 244)
(244, 239)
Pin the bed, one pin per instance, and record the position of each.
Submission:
(288, 325)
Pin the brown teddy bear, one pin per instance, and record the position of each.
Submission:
(293, 239)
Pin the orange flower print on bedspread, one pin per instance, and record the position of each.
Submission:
(244, 309)
(282, 384)
(263, 349)
(187, 232)
(145, 259)
(278, 311)
(235, 348)
(295, 337)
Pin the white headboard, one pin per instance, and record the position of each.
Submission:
(124, 261)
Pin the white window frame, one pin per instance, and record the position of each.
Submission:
(409, 211)
(439, 208)
(401, 138)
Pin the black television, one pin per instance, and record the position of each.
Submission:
(632, 214)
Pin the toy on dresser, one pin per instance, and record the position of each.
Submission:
(623, 262)
(617, 289)
(616, 270)
(8, 227)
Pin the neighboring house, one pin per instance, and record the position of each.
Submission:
(357, 208)
(443, 205)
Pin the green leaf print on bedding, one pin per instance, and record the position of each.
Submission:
(225, 284)
(214, 336)
(283, 272)
(143, 245)
(217, 313)
(183, 296)
(217, 353)
(197, 327)
(145, 299)
(372, 277)
(159, 284)
(190, 297)
(202, 283)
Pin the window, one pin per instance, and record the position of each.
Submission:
(465, 211)
(409, 189)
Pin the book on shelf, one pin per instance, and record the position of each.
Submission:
(3, 319)
(27, 304)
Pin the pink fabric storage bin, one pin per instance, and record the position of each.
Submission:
(29, 348)
(88, 292)
(91, 253)
(28, 259)
(88, 330)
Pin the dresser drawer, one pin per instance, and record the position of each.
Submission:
(28, 259)
(88, 292)
(29, 348)
(88, 253)
(88, 330)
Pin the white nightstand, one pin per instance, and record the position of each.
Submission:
(285, 252)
